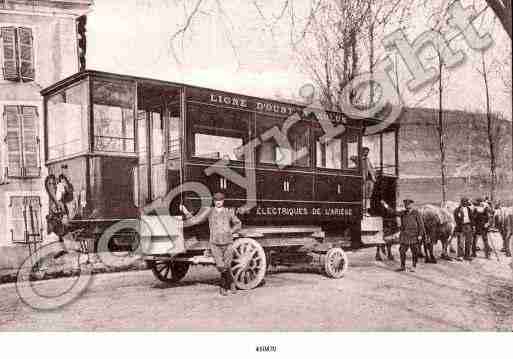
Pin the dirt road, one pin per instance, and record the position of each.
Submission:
(446, 296)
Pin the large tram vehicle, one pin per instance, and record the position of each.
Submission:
(125, 142)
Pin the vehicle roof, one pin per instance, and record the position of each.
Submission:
(151, 81)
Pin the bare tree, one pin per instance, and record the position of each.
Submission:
(330, 50)
(441, 129)
(380, 14)
(489, 128)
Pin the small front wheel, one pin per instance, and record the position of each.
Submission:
(335, 263)
(168, 271)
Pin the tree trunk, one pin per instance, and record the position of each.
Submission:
(371, 62)
(490, 134)
(441, 134)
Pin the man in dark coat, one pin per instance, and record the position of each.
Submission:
(482, 215)
(412, 233)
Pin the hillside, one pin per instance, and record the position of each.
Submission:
(467, 154)
(466, 142)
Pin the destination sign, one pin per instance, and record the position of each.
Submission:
(258, 105)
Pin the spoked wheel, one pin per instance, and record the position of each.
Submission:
(248, 264)
(168, 271)
(335, 263)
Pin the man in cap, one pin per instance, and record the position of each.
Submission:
(412, 233)
(223, 223)
(464, 218)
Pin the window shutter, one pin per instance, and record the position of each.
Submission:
(10, 56)
(26, 54)
(13, 141)
(17, 219)
(33, 217)
(31, 165)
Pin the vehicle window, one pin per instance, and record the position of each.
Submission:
(218, 134)
(217, 147)
(352, 152)
(269, 152)
(67, 121)
(329, 154)
(113, 111)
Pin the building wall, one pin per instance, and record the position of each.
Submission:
(55, 57)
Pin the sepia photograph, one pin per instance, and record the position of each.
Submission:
(256, 166)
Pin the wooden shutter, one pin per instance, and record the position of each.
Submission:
(26, 54)
(13, 141)
(30, 140)
(10, 55)
(33, 217)
(17, 219)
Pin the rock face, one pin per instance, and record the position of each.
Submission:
(467, 155)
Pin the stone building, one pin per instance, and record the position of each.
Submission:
(38, 46)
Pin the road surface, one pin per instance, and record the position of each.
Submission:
(372, 296)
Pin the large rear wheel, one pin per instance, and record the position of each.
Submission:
(249, 263)
(168, 271)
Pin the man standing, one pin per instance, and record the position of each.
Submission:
(464, 218)
(223, 223)
(412, 233)
(481, 222)
(369, 178)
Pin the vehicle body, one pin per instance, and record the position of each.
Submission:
(126, 142)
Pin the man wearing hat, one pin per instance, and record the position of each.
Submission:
(412, 233)
(222, 223)
(464, 218)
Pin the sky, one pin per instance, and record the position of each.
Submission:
(237, 51)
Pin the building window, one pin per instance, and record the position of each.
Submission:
(25, 219)
(22, 141)
(17, 53)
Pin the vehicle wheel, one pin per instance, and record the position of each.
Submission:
(335, 263)
(249, 263)
(168, 271)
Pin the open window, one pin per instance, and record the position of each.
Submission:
(218, 134)
(270, 151)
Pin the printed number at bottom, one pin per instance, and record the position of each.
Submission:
(265, 348)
